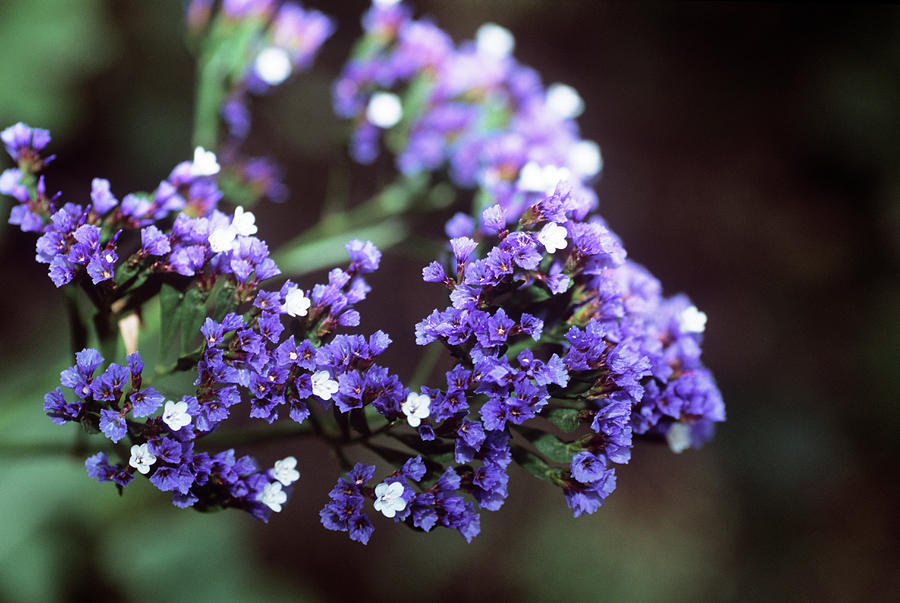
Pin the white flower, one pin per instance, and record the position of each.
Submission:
(679, 437)
(285, 471)
(585, 159)
(175, 415)
(273, 65)
(416, 408)
(141, 458)
(272, 496)
(244, 222)
(564, 102)
(691, 320)
(389, 498)
(205, 163)
(385, 3)
(323, 385)
(384, 109)
(494, 41)
(295, 303)
(541, 179)
(221, 239)
(553, 237)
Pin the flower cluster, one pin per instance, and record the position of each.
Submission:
(397, 498)
(163, 445)
(79, 240)
(473, 108)
(552, 320)
(244, 357)
(565, 353)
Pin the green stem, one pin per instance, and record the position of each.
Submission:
(209, 99)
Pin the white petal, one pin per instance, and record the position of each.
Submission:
(220, 240)
(679, 437)
(205, 163)
(273, 65)
(585, 159)
(692, 320)
(494, 41)
(384, 109)
(564, 102)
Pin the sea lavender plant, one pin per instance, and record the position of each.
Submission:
(564, 353)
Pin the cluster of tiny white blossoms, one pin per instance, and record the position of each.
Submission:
(243, 223)
(416, 408)
(285, 473)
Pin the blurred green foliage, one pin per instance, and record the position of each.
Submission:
(49, 47)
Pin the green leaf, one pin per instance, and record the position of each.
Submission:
(223, 299)
(553, 448)
(564, 418)
(192, 312)
(169, 298)
(329, 251)
(532, 463)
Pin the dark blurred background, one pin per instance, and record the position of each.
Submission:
(751, 160)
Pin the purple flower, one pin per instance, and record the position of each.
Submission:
(414, 469)
(100, 268)
(23, 142)
(112, 424)
(364, 257)
(492, 219)
(61, 271)
(462, 248)
(531, 325)
(587, 498)
(98, 467)
(460, 225)
(587, 468)
(101, 198)
(434, 273)
(154, 241)
(167, 478)
(146, 402)
(59, 411)
(495, 331)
